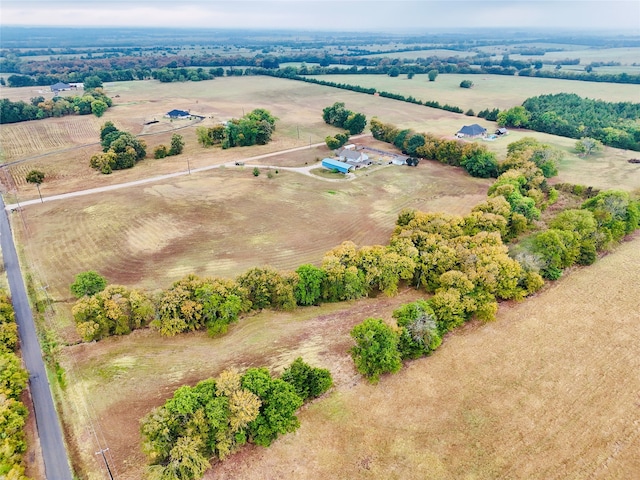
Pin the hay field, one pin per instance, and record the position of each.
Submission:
(489, 91)
(548, 391)
(224, 221)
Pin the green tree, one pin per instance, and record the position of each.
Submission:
(35, 176)
(355, 123)
(419, 330)
(466, 84)
(98, 107)
(586, 146)
(514, 117)
(177, 145)
(432, 74)
(376, 349)
(92, 82)
(279, 405)
(88, 283)
(106, 129)
(309, 382)
(308, 290)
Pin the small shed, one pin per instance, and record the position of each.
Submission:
(474, 130)
(502, 131)
(178, 114)
(332, 164)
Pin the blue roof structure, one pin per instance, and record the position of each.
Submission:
(177, 114)
(332, 164)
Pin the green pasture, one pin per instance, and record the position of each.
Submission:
(489, 91)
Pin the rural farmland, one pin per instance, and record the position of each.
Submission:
(546, 391)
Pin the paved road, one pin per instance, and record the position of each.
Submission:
(56, 464)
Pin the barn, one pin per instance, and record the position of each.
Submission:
(332, 164)
(178, 114)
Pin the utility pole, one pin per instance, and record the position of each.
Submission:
(101, 452)
(38, 185)
(188, 166)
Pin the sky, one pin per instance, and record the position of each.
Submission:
(343, 15)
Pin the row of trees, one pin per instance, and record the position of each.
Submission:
(217, 416)
(469, 284)
(254, 128)
(120, 150)
(13, 381)
(91, 101)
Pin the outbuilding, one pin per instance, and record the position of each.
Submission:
(341, 167)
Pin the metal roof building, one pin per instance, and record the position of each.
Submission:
(332, 164)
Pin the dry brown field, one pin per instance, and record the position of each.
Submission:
(545, 392)
(225, 220)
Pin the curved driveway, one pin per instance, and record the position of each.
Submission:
(56, 464)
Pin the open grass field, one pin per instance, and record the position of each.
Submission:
(489, 91)
(224, 221)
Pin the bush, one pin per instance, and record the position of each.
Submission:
(376, 350)
(160, 152)
(466, 84)
(309, 382)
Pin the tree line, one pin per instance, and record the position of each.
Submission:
(131, 67)
(218, 416)
(573, 236)
(13, 382)
(91, 101)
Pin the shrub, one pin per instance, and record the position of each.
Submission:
(376, 350)
(309, 382)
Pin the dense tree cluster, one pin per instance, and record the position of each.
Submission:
(569, 115)
(91, 101)
(255, 128)
(116, 310)
(575, 236)
(120, 150)
(338, 116)
(217, 416)
(13, 381)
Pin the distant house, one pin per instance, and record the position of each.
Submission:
(471, 131)
(502, 131)
(179, 114)
(341, 167)
(59, 87)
